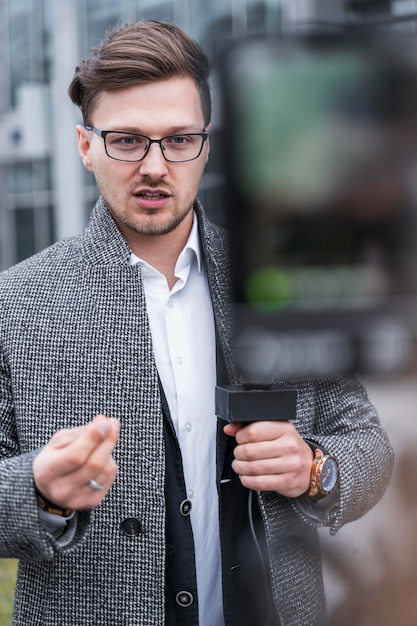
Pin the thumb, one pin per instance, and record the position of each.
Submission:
(232, 428)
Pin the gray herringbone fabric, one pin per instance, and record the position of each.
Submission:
(74, 342)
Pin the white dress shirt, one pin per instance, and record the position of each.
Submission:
(183, 335)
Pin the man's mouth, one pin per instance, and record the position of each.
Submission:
(151, 195)
(151, 199)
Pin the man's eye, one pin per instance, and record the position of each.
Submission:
(180, 140)
(126, 141)
(131, 140)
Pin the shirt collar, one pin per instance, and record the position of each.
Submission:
(191, 249)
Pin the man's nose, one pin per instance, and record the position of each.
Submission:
(153, 163)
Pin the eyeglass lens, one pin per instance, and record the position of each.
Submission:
(131, 147)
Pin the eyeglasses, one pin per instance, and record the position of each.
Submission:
(132, 147)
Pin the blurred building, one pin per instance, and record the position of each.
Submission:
(45, 192)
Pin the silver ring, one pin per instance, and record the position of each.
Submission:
(96, 486)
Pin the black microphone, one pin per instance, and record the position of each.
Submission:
(255, 402)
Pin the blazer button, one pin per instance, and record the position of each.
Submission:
(131, 527)
(185, 507)
(184, 598)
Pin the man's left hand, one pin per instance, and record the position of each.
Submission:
(271, 456)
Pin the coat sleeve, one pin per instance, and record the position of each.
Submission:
(347, 425)
(22, 535)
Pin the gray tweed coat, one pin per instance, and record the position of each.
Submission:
(74, 342)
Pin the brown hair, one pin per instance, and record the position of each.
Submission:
(139, 53)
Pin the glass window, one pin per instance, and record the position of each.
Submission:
(20, 180)
(28, 204)
(163, 11)
(26, 43)
(41, 176)
(101, 14)
(19, 28)
(32, 227)
(25, 232)
(29, 176)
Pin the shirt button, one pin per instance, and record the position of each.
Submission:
(188, 427)
(190, 493)
(184, 598)
(185, 508)
(179, 360)
(170, 304)
(131, 527)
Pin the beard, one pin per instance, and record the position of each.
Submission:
(151, 223)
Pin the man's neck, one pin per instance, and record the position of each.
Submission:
(162, 251)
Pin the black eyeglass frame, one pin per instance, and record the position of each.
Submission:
(103, 134)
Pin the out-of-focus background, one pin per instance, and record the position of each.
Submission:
(47, 195)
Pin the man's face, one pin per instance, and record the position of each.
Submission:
(152, 196)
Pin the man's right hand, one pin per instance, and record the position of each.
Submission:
(74, 456)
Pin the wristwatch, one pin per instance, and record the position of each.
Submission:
(324, 475)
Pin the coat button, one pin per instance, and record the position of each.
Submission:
(131, 526)
(184, 598)
(185, 507)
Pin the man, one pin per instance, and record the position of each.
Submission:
(122, 496)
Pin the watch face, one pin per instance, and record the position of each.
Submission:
(329, 475)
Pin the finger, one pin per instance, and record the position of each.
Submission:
(99, 436)
(268, 483)
(73, 491)
(105, 477)
(263, 431)
(288, 485)
(98, 462)
(86, 496)
(64, 437)
(54, 461)
(259, 450)
(260, 467)
(232, 428)
(287, 474)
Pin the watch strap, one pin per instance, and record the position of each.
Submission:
(48, 506)
(314, 445)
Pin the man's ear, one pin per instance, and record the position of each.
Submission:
(84, 145)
